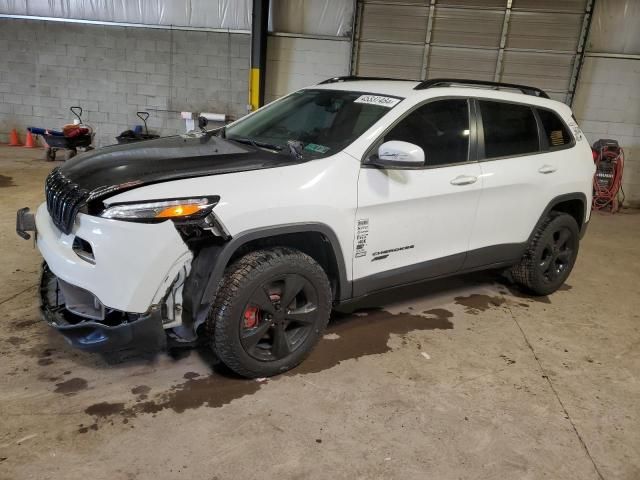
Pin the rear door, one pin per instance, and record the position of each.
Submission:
(566, 149)
(519, 180)
(415, 224)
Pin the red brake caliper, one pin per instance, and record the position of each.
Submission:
(251, 317)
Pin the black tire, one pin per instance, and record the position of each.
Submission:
(253, 330)
(50, 154)
(550, 256)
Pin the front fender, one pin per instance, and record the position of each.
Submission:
(209, 265)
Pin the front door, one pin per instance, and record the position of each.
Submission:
(416, 224)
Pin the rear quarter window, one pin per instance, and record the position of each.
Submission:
(556, 132)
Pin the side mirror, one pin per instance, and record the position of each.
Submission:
(397, 154)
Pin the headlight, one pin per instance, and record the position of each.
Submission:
(180, 209)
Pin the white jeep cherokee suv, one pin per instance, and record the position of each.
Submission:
(246, 236)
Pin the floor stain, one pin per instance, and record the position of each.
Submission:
(45, 361)
(84, 429)
(361, 335)
(16, 341)
(71, 386)
(104, 409)
(507, 360)
(47, 352)
(476, 303)
(211, 391)
(141, 390)
(6, 181)
(366, 333)
(26, 323)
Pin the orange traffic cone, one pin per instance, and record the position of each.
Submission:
(29, 143)
(14, 141)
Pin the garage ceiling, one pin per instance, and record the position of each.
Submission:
(535, 42)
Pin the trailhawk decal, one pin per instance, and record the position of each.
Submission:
(377, 100)
(381, 255)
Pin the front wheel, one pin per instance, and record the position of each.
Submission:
(550, 257)
(270, 311)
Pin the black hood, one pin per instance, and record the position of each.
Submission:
(120, 167)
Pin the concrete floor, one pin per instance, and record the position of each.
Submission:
(457, 379)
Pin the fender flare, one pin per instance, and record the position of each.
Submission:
(555, 202)
(203, 290)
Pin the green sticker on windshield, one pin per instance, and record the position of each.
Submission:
(312, 147)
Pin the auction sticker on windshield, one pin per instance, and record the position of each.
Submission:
(377, 100)
(312, 147)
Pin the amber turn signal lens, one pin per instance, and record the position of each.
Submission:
(178, 211)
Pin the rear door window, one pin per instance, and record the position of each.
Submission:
(555, 130)
(509, 129)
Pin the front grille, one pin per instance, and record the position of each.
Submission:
(64, 199)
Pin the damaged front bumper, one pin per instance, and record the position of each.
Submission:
(110, 285)
(70, 309)
(128, 266)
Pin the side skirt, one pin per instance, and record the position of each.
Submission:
(506, 253)
(487, 258)
(409, 274)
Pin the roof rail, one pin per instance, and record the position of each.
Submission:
(449, 82)
(353, 78)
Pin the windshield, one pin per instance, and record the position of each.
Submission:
(324, 121)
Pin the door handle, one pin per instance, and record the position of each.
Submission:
(464, 180)
(547, 169)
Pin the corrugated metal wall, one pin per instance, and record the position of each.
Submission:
(534, 42)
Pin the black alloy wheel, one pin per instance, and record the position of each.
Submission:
(550, 255)
(271, 308)
(278, 317)
(557, 254)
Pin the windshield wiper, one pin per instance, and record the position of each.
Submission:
(253, 143)
(294, 147)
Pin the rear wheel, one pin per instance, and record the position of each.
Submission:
(271, 309)
(551, 255)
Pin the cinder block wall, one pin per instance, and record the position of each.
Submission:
(607, 105)
(293, 63)
(112, 72)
